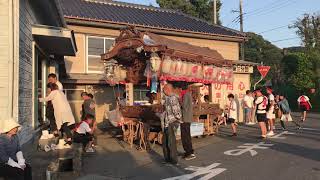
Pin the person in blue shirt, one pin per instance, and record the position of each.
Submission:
(12, 162)
(286, 112)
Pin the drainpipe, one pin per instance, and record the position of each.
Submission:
(43, 86)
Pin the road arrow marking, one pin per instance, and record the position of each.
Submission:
(279, 136)
(209, 172)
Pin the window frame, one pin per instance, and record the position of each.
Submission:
(140, 90)
(95, 56)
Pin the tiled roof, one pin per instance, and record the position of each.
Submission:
(138, 15)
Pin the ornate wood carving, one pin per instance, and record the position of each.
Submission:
(135, 71)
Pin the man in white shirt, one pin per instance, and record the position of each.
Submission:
(261, 103)
(52, 78)
(270, 112)
(232, 114)
(248, 107)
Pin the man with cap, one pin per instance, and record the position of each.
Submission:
(261, 103)
(12, 162)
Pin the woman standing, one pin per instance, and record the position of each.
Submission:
(62, 111)
(12, 162)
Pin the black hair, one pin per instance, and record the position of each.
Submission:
(206, 97)
(52, 75)
(84, 94)
(90, 95)
(89, 116)
(248, 92)
(231, 96)
(52, 86)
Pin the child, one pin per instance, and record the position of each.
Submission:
(84, 134)
(285, 109)
(305, 105)
(223, 117)
(232, 114)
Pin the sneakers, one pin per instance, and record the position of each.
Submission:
(90, 150)
(251, 123)
(190, 157)
(270, 133)
(233, 135)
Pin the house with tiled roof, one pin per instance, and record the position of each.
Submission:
(96, 24)
(33, 41)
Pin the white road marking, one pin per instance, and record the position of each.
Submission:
(311, 129)
(248, 147)
(209, 172)
(279, 136)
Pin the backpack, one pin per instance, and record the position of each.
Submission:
(303, 99)
(265, 103)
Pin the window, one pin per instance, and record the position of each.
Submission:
(140, 95)
(96, 47)
(73, 94)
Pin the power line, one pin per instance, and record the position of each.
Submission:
(285, 39)
(272, 9)
(280, 27)
(261, 8)
(266, 8)
(235, 20)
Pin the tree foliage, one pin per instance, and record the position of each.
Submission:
(298, 69)
(308, 28)
(258, 50)
(202, 9)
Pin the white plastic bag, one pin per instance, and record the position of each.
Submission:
(115, 117)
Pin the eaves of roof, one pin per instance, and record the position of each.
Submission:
(159, 30)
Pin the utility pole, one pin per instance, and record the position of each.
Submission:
(241, 28)
(214, 11)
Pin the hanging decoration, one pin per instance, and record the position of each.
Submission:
(109, 68)
(178, 70)
(155, 62)
(114, 73)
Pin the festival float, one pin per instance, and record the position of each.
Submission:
(143, 58)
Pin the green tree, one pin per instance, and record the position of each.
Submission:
(258, 50)
(301, 75)
(308, 28)
(202, 9)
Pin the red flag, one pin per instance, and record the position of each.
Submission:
(263, 70)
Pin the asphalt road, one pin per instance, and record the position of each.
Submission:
(292, 154)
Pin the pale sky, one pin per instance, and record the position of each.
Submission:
(264, 15)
